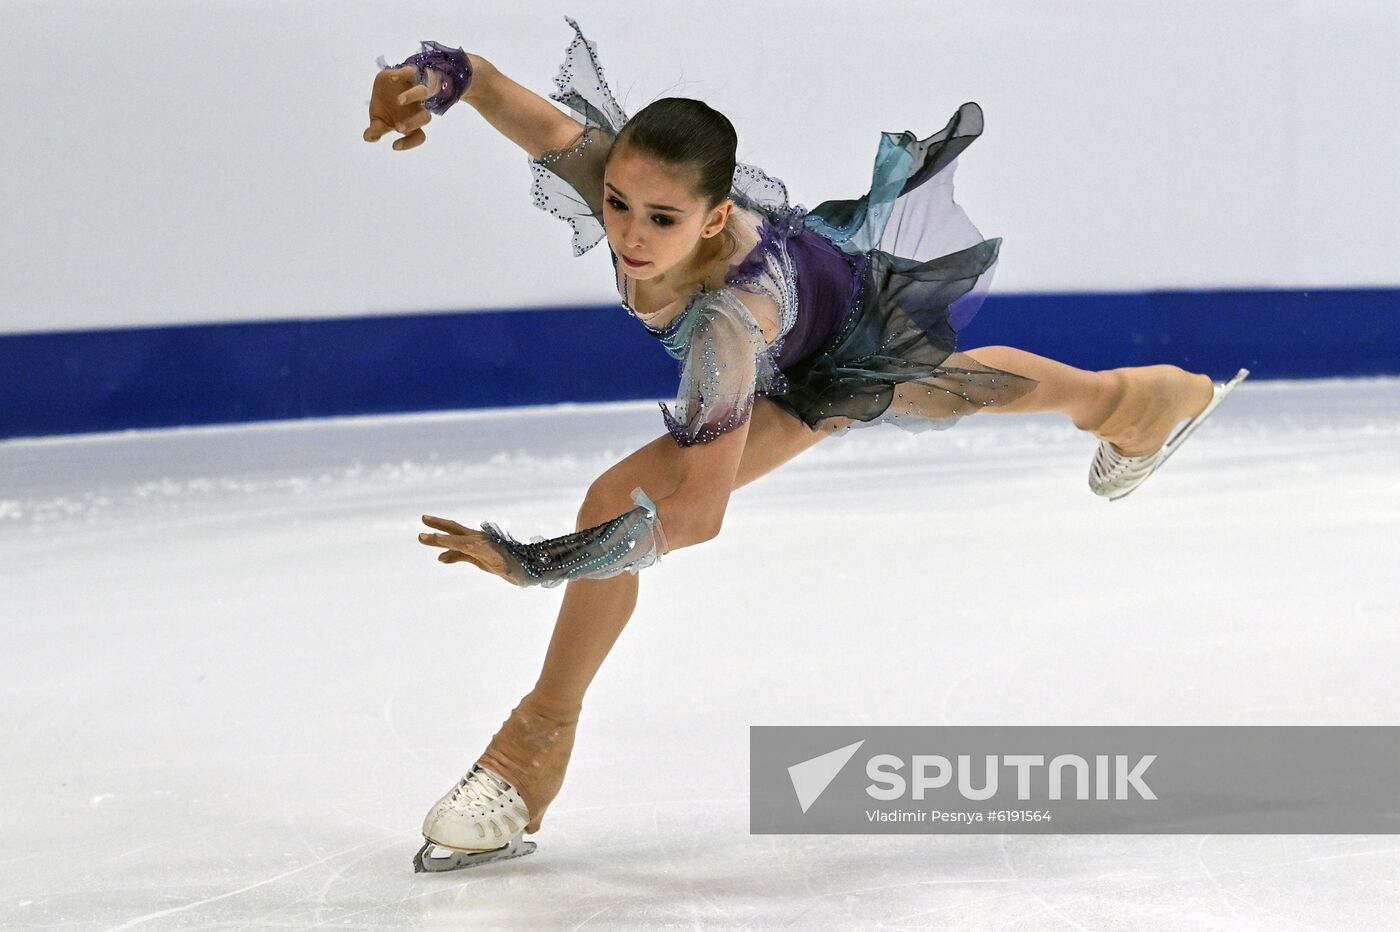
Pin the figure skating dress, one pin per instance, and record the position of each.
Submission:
(845, 315)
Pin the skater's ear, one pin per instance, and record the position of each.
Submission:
(719, 216)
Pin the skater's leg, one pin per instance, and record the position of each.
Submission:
(532, 748)
(582, 637)
(1084, 395)
(1134, 408)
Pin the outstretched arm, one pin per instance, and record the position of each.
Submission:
(522, 116)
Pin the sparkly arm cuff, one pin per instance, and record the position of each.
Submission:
(451, 73)
(628, 542)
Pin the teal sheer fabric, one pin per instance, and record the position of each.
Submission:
(910, 211)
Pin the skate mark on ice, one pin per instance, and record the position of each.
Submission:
(602, 909)
(262, 919)
(960, 908)
(1214, 881)
(132, 923)
(342, 918)
(1046, 905)
(1293, 862)
(394, 729)
(980, 673)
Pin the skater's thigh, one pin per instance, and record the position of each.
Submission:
(774, 437)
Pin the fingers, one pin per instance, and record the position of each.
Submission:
(443, 524)
(407, 114)
(452, 556)
(410, 126)
(377, 128)
(469, 543)
(414, 121)
(412, 140)
(414, 94)
(470, 546)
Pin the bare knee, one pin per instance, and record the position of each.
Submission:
(682, 526)
(605, 499)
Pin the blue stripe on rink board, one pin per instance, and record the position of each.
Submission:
(100, 380)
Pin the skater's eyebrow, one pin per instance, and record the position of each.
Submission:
(618, 191)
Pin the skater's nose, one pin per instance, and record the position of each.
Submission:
(632, 236)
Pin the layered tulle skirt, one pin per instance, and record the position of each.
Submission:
(922, 271)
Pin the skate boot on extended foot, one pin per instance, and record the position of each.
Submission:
(480, 820)
(1152, 399)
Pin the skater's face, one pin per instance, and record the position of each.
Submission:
(653, 214)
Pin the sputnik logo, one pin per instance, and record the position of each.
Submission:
(810, 778)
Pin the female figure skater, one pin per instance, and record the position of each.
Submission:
(789, 325)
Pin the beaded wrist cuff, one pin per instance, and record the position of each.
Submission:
(452, 67)
(628, 542)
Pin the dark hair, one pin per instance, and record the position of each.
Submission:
(688, 132)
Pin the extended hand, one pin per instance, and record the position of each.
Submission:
(397, 103)
(466, 545)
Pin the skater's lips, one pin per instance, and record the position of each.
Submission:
(630, 261)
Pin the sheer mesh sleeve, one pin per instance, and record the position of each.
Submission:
(569, 181)
(724, 366)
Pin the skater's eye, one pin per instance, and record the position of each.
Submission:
(661, 220)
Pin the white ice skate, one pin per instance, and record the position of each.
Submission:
(480, 820)
(1114, 475)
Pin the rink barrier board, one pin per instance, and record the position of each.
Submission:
(69, 382)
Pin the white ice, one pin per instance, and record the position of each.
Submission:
(233, 681)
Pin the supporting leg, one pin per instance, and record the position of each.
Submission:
(532, 748)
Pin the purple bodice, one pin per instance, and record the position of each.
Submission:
(827, 279)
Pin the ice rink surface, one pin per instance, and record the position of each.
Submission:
(233, 681)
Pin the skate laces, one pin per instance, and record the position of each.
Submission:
(478, 789)
(1109, 461)
(1109, 465)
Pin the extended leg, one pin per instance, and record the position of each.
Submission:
(1132, 408)
(1134, 411)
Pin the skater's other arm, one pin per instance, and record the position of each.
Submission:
(709, 422)
(694, 512)
(627, 542)
(710, 417)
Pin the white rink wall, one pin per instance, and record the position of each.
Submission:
(182, 163)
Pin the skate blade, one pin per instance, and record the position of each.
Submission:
(434, 858)
(1222, 391)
